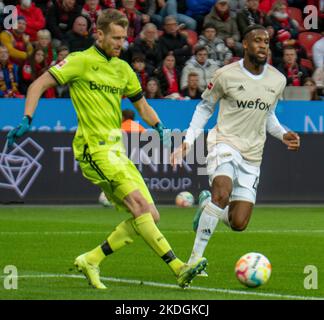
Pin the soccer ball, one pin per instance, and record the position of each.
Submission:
(184, 199)
(103, 200)
(253, 269)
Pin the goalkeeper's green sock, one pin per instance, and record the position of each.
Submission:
(123, 234)
(147, 228)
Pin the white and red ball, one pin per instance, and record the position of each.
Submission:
(184, 199)
(253, 269)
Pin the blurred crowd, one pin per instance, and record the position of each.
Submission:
(173, 46)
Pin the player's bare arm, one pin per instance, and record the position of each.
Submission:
(35, 91)
(146, 112)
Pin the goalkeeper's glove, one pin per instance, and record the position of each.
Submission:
(19, 131)
(164, 133)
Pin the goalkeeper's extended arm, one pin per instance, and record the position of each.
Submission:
(35, 91)
(148, 114)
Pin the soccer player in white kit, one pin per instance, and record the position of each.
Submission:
(248, 91)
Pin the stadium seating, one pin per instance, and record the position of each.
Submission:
(296, 14)
(307, 40)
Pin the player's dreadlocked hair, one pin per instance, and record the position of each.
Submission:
(251, 28)
(109, 16)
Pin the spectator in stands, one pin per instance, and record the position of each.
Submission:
(146, 8)
(60, 18)
(78, 38)
(108, 4)
(286, 29)
(134, 19)
(9, 79)
(61, 91)
(236, 6)
(198, 9)
(249, 15)
(266, 5)
(62, 53)
(170, 8)
(285, 32)
(192, 89)
(17, 42)
(91, 10)
(43, 5)
(169, 76)
(174, 43)
(142, 71)
(311, 84)
(128, 124)
(318, 52)
(294, 73)
(148, 44)
(201, 65)
(34, 68)
(216, 47)
(44, 41)
(225, 25)
(35, 20)
(153, 90)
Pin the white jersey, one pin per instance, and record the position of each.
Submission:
(246, 100)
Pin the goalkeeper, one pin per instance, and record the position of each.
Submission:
(98, 80)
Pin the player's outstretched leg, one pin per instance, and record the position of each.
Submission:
(204, 198)
(207, 224)
(92, 272)
(88, 263)
(189, 271)
(146, 227)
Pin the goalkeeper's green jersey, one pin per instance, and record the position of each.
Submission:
(97, 84)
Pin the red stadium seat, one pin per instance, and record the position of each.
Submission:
(296, 14)
(308, 64)
(307, 40)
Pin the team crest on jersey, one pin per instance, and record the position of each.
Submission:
(210, 85)
(61, 64)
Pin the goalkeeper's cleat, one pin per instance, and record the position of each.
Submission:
(203, 196)
(202, 274)
(189, 271)
(90, 271)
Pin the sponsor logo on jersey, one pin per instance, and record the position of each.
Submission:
(61, 64)
(270, 90)
(253, 104)
(105, 87)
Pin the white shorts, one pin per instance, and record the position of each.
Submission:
(223, 160)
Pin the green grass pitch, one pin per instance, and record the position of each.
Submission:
(42, 243)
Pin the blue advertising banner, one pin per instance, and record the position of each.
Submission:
(58, 115)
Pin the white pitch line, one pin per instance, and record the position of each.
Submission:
(164, 231)
(173, 286)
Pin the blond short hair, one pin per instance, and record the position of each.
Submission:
(44, 34)
(109, 16)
